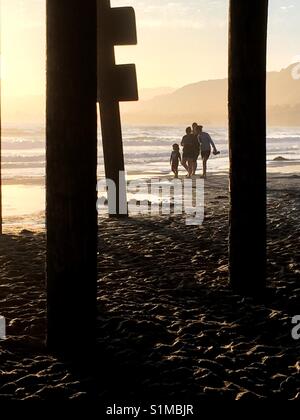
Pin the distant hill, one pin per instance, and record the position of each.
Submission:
(31, 108)
(149, 93)
(206, 101)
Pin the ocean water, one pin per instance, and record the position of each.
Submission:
(147, 151)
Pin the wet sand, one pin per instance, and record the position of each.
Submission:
(168, 326)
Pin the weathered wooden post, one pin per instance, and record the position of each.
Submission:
(71, 174)
(116, 26)
(1, 220)
(247, 138)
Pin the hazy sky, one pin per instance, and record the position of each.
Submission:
(180, 41)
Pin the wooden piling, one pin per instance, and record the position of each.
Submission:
(71, 175)
(247, 138)
(116, 26)
(1, 220)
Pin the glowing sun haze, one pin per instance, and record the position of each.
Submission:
(180, 42)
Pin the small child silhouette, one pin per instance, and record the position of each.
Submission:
(175, 159)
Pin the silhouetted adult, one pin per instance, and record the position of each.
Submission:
(206, 144)
(195, 132)
(190, 152)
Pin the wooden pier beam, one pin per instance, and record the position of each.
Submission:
(71, 174)
(1, 219)
(116, 83)
(247, 139)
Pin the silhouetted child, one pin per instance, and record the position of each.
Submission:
(175, 159)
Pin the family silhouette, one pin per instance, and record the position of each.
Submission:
(195, 143)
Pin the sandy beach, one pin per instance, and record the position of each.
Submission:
(168, 326)
(142, 145)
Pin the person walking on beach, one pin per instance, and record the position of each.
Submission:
(206, 144)
(175, 159)
(195, 133)
(190, 152)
